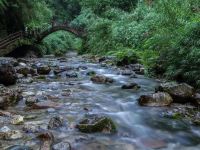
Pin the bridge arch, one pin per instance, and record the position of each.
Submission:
(27, 39)
(47, 32)
(25, 50)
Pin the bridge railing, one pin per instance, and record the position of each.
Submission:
(11, 38)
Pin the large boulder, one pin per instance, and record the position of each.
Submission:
(100, 79)
(196, 99)
(32, 128)
(156, 99)
(7, 74)
(95, 123)
(31, 101)
(9, 97)
(137, 68)
(25, 70)
(127, 72)
(56, 122)
(131, 86)
(181, 93)
(8, 134)
(43, 69)
(47, 139)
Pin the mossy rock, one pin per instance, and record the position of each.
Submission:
(93, 124)
(91, 73)
(176, 115)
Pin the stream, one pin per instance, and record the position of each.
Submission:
(138, 128)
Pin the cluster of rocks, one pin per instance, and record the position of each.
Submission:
(170, 92)
(23, 71)
(89, 124)
(186, 98)
(5, 132)
(8, 74)
(166, 94)
(185, 112)
(12, 70)
(101, 79)
(9, 97)
(126, 69)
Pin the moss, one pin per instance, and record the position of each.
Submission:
(91, 73)
(176, 116)
(103, 124)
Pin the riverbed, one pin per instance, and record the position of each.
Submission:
(137, 127)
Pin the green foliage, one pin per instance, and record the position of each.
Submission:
(58, 43)
(64, 10)
(37, 18)
(124, 56)
(148, 57)
(99, 6)
(2, 5)
(182, 61)
(165, 35)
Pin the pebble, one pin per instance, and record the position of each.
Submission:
(62, 146)
(17, 119)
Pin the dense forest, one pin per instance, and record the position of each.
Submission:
(163, 35)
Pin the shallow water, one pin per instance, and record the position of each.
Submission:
(138, 127)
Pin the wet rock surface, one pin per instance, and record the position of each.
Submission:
(62, 146)
(157, 99)
(181, 93)
(8, 74)
(8, 134)
(9, 97)
(131, 86)
(47, 139)
(196, 99)
(43, 69)
(95, 123)
(184, 112)
(100, 79)
(127, 72)
(72, 75)
(54, 105)
(31, 128)
(56, 122)
(30, 101)
(25, 70)
(17, 119)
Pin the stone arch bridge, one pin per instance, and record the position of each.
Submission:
(33, 37)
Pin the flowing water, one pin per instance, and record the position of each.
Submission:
(138, 127)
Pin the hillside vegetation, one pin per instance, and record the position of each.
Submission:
(164, 35)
